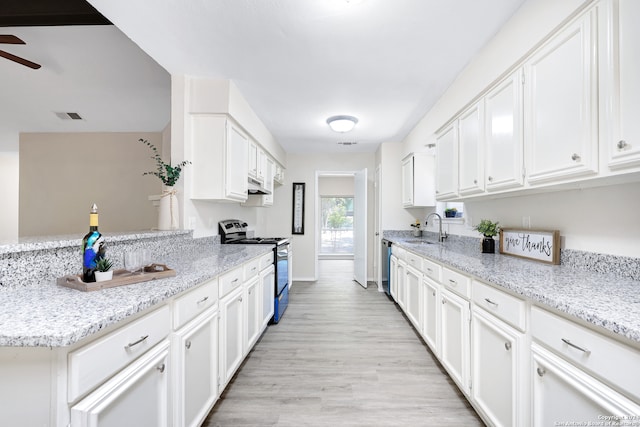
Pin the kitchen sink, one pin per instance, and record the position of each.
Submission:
(418, 241)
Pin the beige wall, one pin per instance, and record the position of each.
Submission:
(340, 186)
(62, 174)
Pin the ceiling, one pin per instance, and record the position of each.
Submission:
(296, 62)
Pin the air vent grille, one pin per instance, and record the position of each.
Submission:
(69, 116)
(347, 142)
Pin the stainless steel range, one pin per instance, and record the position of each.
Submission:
(234, 231)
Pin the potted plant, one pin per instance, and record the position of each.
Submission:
(450, 212)
(169, 175)
(103, 269)
(488, 229)
(417, 232)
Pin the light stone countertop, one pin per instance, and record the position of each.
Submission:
(55, 316)
(603, 300)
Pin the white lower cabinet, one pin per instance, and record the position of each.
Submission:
(253, 308)
(393, 277)
(413, 287)
(498, 380)
(455, 338)
(267, 278)
(136, 396)
(196, 369)
(563, 393)
(231, 340)
(431, 314)
(402, 285)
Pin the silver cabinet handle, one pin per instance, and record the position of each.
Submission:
(575, 157)
(135, 343)
(570, 344)
(491, 302)
(188, 345)
(234, 280)
(622, 144)
(434, 293)
(541, 371)
(202, 300)
(161, 368)
(443, 300)
(254, 269)
(453, 282)
(240, 299)
(507, 346)
(490, 178)
(429, 270)
(475, 181)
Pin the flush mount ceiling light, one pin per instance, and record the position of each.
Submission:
(342, 123)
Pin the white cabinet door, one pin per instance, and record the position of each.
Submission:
(261, 165)
(447, 162)
(402, 285)
(562, 392)
(503, 130)
(620, 69)
(268, 181)
(561, 133)
(413, 306)
(236, 175)
(471, 150)
(393, 277)
(497, 358)
(253, 159)
(454, 338)
(267, 277)
(253, 314)
(196, 369)
(407, 182)
(431, 314)
(136, 396)
(231, 337)
(418, 180)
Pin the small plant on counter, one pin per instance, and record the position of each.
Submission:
(168, 174)
(104, 264)
(487, 228)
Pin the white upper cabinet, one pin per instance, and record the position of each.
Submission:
(561, 110)
(620, 68)
(219, 162)
(418, 176)
(253, 159)
(447, 162)
(471, 147)
(503, 127)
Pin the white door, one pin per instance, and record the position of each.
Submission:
(360, 227)
(377, 268)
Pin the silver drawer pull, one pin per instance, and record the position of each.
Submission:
(202, 300)
(491, 302)
(453, 282)
(434, 293)
(429, 270)
(188, 345)
(621, 144)
(575, 157)
(161, 368)
(135, 343)
(570, 344)
(443, 300)
(541, 371)
(234, 280)
(254, 268)
(507, 346)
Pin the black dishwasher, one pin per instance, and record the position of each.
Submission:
(385, 254)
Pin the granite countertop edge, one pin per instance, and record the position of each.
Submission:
(56, 316)
(603, 300)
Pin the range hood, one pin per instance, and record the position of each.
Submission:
(256, 187)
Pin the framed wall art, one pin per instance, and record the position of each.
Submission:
(297, 225)
(538, 245)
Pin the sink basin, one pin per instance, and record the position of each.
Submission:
(418, 241)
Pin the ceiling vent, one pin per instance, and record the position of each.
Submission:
(347, 142)
(69, 116)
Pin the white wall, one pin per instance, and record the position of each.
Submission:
(339, 186)
(302, 168)
(584, 217)
(9, 170)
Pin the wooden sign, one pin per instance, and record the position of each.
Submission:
(538, 245)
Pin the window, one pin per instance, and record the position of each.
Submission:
(337, 226)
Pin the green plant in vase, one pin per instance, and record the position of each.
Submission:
(103, 269)
(488, 229)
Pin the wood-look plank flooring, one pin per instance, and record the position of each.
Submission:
(342, 355)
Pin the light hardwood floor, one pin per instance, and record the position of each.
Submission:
(342, 355)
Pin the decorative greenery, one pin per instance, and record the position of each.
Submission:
(416, 224)
(168, 174)
(104, 264)
(450, 210)
(487, 228)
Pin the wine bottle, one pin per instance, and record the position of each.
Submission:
(93, 247)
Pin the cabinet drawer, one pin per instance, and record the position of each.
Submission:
(92, 364)
(266, 260)
(194, 302)
(431, 269)
(612, 361)
(502, 305)
(456, 282)
(251, 268)
(229, 281)
(398, 252)
(414, 261)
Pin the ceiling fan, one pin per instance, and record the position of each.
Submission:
(10, 39)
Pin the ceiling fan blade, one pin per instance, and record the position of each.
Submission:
(10, 39)
(19, 60)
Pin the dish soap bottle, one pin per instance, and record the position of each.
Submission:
(93, 247)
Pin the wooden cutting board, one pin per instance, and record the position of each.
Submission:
(120, 278)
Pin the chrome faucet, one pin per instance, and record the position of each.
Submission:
(441, 237)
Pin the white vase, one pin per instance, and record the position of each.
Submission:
(168, 217)
(103, 276)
